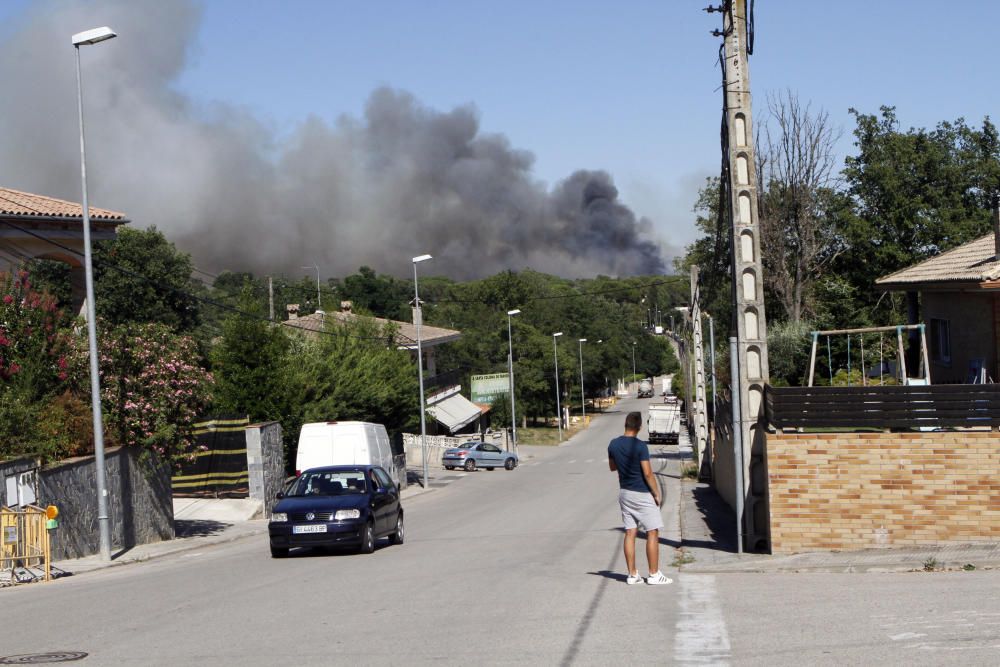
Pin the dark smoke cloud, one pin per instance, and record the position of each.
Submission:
(400, 181)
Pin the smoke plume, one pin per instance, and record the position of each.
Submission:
(401, 180)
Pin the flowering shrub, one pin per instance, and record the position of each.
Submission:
(35, 355)
(152, 388)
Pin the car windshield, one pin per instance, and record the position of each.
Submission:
(329, 483)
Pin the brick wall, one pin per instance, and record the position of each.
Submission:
(844, 491)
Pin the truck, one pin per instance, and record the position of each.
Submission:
(646, 388)
(664, 422)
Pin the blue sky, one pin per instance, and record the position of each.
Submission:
(629, 87)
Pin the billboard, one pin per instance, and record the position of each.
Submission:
(487, 387)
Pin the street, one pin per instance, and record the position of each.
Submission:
(503, 567)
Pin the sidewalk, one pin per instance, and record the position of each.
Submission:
(708, 540)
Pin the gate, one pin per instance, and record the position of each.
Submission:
(25, 555)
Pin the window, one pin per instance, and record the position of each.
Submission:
(941, 340)
(383, 478)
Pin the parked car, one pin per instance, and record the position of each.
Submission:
(337, 506)
(475, 454)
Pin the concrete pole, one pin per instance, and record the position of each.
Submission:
(418, 320)
(750, 323)
(583, 395)
(510, 367)
(270, 298)
(699, 409)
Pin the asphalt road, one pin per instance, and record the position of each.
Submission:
(501, 567)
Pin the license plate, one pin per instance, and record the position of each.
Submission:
(318, 528)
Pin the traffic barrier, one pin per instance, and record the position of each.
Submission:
(25, 553)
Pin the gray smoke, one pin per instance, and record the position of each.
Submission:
(400, 181)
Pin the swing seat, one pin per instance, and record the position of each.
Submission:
(917, 382)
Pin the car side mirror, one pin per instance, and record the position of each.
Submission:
(279, 495)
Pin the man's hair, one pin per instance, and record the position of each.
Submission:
(634, 421)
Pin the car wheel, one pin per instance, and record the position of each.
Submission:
(397, 537)
(449, 467)
(278, 552)
(509, 464)
(367, 539)
(470, 465)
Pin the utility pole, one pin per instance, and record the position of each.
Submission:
(740, 178)
(700, 413)
(270, 298)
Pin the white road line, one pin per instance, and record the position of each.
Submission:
(573, 461)
(589, 461)
(701, 636)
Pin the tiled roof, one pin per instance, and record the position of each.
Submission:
(17, 203)
(406, 332)
(974, 261)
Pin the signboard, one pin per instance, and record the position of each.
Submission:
(485, 388)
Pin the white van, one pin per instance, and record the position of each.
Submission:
(344, 443)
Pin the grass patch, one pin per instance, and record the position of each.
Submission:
(681, 558)
(690, 471)
(542, 435)
(930, 564)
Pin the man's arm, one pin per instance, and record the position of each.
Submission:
(654, 487)
(611, 464)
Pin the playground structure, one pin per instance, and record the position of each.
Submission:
(900, 372)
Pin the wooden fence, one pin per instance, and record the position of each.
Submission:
(931, 406)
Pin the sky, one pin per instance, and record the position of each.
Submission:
(577, 95)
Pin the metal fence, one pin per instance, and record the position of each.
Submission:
(25, 555)
(884, 407)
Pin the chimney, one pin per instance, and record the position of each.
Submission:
(293, 311)
(346, 306)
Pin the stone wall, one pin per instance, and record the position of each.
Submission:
(265, 463)
(140, 506)
(844, 491)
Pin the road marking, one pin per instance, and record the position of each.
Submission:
(701, 636)
(573, 461)
(589, 461)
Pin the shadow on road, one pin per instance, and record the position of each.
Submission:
(718, 529)
(662, 540)
(608, 574)
(198, 527)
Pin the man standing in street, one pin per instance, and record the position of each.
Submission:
(639, 498)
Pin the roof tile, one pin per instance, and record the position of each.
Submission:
(17, 203)
(974, 261)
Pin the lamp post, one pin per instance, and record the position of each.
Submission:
(583, 395)
(633, 361)
(417, 322)
(555, 352)
(87, 38)
(510, 366)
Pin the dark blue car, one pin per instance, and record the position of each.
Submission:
(337, 506)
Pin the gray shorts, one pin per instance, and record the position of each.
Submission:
(639, 507)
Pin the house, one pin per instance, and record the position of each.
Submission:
(445, 403)
(957, 296)
(40, 227)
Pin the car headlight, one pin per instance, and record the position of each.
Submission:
(347, 514)
(279, 516)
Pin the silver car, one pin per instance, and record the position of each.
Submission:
(475, 454)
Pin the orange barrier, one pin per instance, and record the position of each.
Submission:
(24, 544)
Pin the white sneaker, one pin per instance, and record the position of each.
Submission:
(658, 579)
(633, 579)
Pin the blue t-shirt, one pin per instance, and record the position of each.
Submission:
(627, 452)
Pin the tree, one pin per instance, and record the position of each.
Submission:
(915, 194)
(382, 296)
(798, 204)
(250, 363)
(140, 276)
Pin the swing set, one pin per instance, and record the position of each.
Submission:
(924, 377)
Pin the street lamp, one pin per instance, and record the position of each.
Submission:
(555, 352)
(417, 322)
(510, 365)
(84, 39)
(583, 395)
(633, 361)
